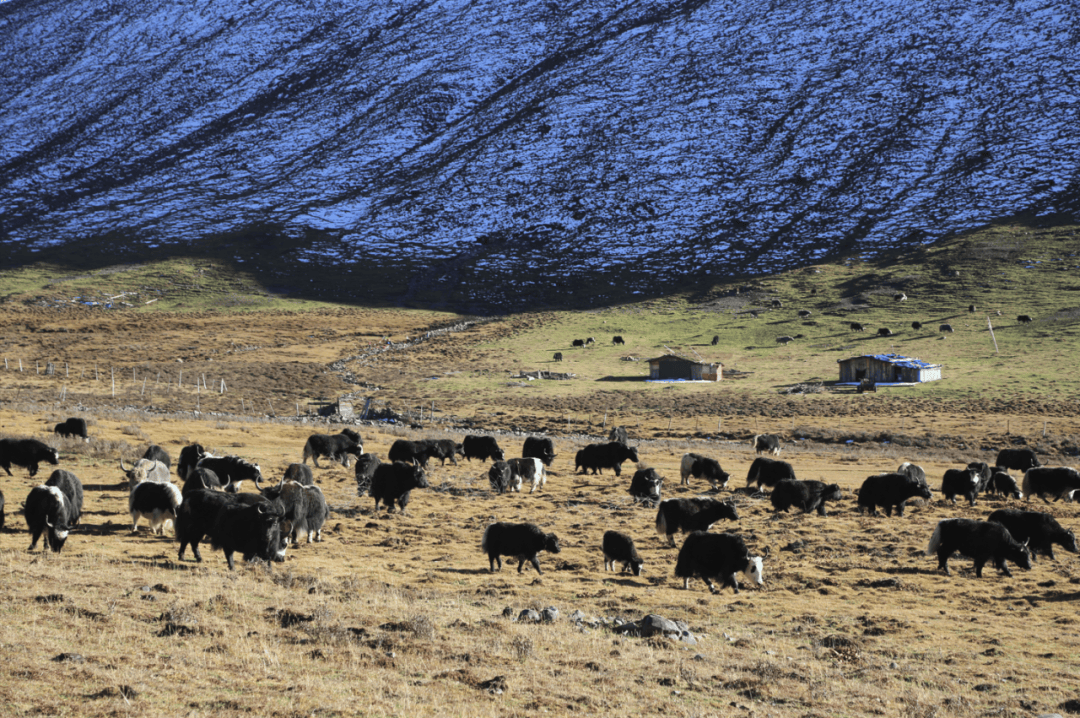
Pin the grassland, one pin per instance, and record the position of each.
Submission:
(398, 614)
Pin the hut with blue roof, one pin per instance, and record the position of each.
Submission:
(887, 369)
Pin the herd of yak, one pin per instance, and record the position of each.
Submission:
(210, 505)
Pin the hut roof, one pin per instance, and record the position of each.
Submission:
(894, 359)
(677, 357)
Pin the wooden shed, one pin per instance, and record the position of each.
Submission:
(672, 367)
(887, 369)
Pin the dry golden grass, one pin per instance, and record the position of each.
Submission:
(395, 614)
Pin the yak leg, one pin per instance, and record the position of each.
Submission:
(536, 564)
(943, 560)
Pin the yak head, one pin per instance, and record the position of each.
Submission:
(1068, 542)
(137, 472)
(551, 543)
(832, 492)
(57, 534)
(419, 480)
(755, 571)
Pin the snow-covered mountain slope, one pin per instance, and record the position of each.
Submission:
(515, 148)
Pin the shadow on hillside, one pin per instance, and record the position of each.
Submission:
(622, 378)
(1052, 597)
(466, 571)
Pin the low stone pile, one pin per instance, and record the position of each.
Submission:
(647, 627)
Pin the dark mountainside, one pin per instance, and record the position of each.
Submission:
(500, 155)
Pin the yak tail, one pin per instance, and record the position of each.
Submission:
(661, 522)
(484, 541)
(753, 442)
(935, 540)
(1026, 488)
(307, 452)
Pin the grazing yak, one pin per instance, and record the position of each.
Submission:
(806, 495)
(1004, 485)
(317, 513)
(1038, 530)
(258, 530)
(946, 329)
(1024, 319)
(618, 433)
(716, 339)
(578, 343)
(531, 470)
(718, 556)
(1057, 481)
(688, 515)
(230, 469)
(481, 447)
(981, 540)
(155, 502)
(292, 499)
(395, 482)
(766, 472)
(804, 314)
(335, 447)
(889, 491)
(1017, 459)
(72, 426)
(27, 453)
(557, 356)
(523, 541)
(884, 332)
(856, 327)
(196, 516)
(537, 447)
(916, 326)
(365, 471)
(443, 449)
(300, 473)
(156, 453)
(702, 467)
(766, 444)
(964, 482)
(53, 509)
(596, 457)
(410, 452)
(645, 486)
(619, 548)
(866, 385)
(784, 339)
(617, 339)
(502, 478)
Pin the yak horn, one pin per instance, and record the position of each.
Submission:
(126, 469)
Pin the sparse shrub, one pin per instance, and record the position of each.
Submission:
(132, 430)
(522, 646)
(421, 627)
